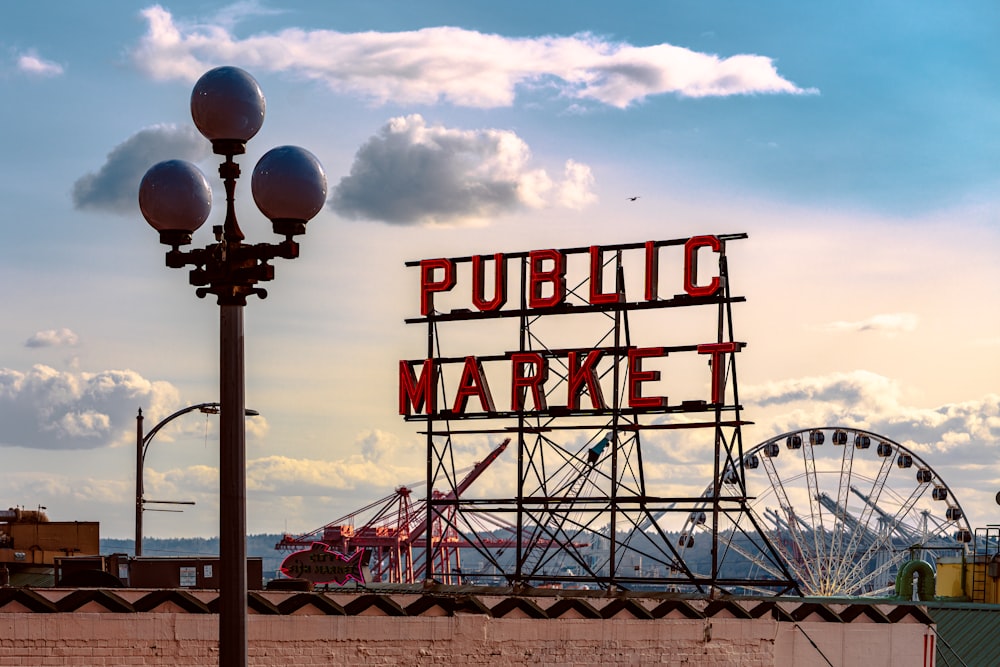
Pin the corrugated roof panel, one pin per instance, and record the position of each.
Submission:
(967, 635)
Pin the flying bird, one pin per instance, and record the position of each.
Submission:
(633, 198)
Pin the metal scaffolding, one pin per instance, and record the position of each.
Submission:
(585, 511)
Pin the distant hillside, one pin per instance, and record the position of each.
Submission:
(698, 558)
(258, 546)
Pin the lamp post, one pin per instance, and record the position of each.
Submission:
(289, 187)
(142, 441)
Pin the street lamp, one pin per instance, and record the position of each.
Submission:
(142, 441)
(289, 187)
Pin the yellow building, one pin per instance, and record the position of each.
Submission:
(973, 578)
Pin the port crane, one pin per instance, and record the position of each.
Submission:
(394, 532)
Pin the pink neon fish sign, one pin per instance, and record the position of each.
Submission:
(321, 565)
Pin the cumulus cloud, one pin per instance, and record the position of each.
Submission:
(289, 476)
(32, 64)
(968, 430)
(461, 67)
(853, 388)
(411, 172)
(370, 474)
(959, 441)
(888, 324)
(576, 189)
(53, 338)
(68, 491)
(951, 434)
(377, 446)
(114, 188)
(232, 14)
(49, 409)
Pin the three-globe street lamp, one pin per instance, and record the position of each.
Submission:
(142, 441)
(289, 187)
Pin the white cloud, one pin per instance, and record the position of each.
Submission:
(960, 441)
(289, 476)
(889, 324)
(53, 338)
(948, 435)
(61, 491)
(576, 191)
(377, 446)
(85, 424)
(49, 409)
(957, 433)
(115, 186)
(232, 14)
(31, 63)
(381, 466)
(856, 387)
(411, 172)
(461, 67)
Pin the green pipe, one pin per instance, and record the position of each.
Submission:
(925, 581)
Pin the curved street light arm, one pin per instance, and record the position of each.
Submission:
(191, 408)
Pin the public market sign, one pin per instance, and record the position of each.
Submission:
(595, 278)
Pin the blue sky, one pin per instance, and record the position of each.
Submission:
(858, 145)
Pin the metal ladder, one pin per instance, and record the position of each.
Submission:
(987, 546)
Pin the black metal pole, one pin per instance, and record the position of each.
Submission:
(232, 480)
(429, 533)
(522, 342)
(138, 483)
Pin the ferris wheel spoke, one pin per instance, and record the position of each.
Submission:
(852, 577)
(758, 556)
(846, 466)
(792, 521)
(768, 565)
(881, 570)
(864, 521)
(894, 523)
(815, 509)
(792, 561)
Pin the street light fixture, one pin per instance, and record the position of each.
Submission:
(289, 187)
(142, 441)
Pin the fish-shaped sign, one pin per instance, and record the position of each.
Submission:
(321, 565)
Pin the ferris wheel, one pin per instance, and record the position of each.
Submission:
(844, 508)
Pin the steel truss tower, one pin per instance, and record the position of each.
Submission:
(586, 512)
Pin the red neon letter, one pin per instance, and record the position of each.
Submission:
(473, 383)
(521, 381)
(652, 271)
(636, 376)
(691, 265)
(597, 296)
(538, 277)
(428, 285)
(417, 394)
(479, 283)
(717, 362)
(576, 377)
